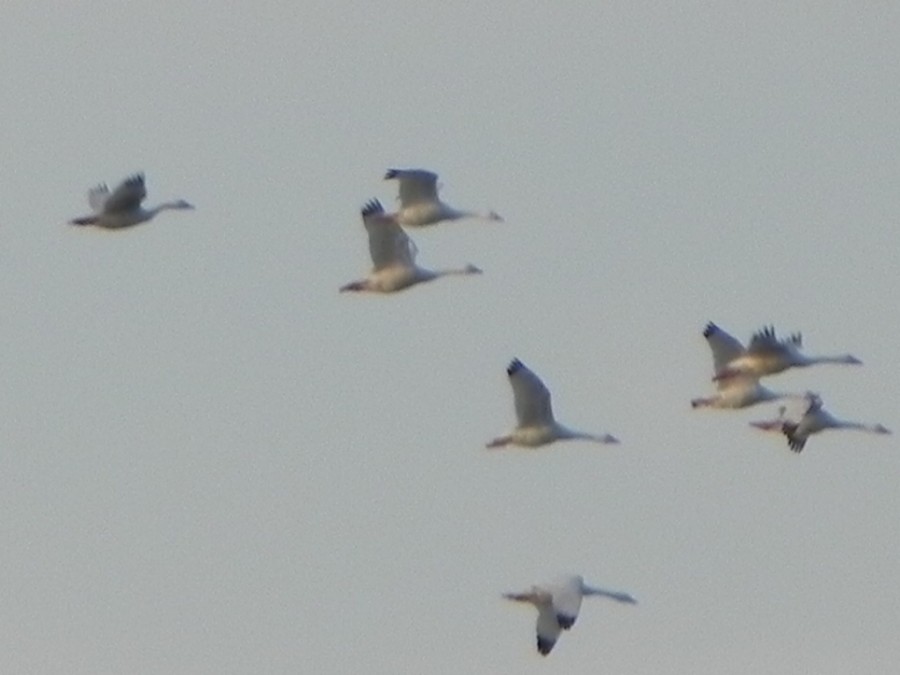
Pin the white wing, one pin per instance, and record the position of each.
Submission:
(547, 629)
(389, 245)
(567, 597)
(97, 197)
(416, 185)
(725, 348)
(532, 398)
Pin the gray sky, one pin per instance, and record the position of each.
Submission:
(210, 462)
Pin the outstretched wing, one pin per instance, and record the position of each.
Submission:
(567, 597)
(97, 197)
(765, 341)
(532, 398)
(389, 245)
(127, 196)
(796, 442)
(547, 628)
(416, 185)
(725, 348)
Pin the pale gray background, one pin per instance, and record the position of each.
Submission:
(211, 462)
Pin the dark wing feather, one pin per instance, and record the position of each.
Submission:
(127, 196)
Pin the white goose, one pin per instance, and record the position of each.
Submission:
(739, 391)
(536, 424)
(558, 604)
(393, 256)
(419, 202)
(122, 207)
(765, 354)
(816, 419)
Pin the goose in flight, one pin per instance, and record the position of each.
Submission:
(738, 391)
(814, 420)
(393, 256)
(558, 604)
(419, 202)
(536, 424)
(766, 354)
(122, 207)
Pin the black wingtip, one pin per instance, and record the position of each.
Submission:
(135, 178)
(710, 329)
(794, 443)
(514, 366)
(391, 173)
(544, 646)
(372, 207)
(767, 332)
(565, 621)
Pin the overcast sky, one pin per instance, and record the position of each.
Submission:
(212, 462)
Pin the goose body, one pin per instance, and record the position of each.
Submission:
(765, 354)
(122, 208)
(393, 256)
(816, 419)
(536, 424)
(558, 604)
(419, 201)
(738, 391)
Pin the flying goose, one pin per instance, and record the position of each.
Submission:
(816, 419)
(122, 207)
(419, 202)
(738, 391)
(536, 424)
(766, 354)
(393, 256)
(558, 604)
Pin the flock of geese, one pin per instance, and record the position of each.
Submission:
(737, 369)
